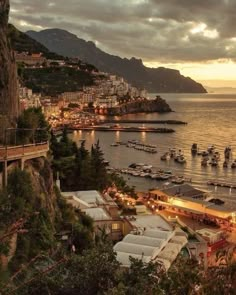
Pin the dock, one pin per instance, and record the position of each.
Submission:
(216, 182)
(143, 121)
(122, 129)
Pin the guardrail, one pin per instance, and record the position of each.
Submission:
(8, 153)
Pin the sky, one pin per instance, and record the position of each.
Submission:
(197, 37)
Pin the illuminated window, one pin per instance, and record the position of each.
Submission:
(115, 226)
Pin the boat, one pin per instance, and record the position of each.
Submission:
(180, 159)
(204, 162)
(194, 148)
(205, 153)
(114, 144)
(164, 176)
(211, 148)
(225, 164)
(178, 180)
(165, 157)
(227, 152)
(216, 155)
(233, 165)
(214, 163)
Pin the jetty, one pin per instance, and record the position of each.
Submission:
(216, 182)
(143, 121)
(121, 128)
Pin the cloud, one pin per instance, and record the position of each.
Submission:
(170, 31)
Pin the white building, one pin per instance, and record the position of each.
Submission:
(154, 239)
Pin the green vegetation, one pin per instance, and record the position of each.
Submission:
(56, 80)
(80, 169)
(32, 126)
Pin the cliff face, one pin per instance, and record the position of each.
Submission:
(9, 103)
(158, 105)
(42, 181)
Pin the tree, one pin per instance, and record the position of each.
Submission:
(99, 174)
(32, 126)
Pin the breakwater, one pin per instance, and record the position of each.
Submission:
(171, 122)
(122, 129)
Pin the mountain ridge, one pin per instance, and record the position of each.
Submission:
(133, 70)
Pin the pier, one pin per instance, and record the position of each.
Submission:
(122, 129)
(216, 182)
(172, 122)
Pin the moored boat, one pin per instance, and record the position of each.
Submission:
(225, 164)
(194, 148)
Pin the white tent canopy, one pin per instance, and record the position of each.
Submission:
(124, 258)
(160, 234)
(144, 240)
(136, 249)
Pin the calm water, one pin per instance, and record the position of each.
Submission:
(211, 120)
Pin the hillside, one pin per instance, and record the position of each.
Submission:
(49, 80)
(55, 80)
(153, 79)
(21, 42)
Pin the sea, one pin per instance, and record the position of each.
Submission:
(211, 120)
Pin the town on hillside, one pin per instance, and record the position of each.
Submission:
(107, 92)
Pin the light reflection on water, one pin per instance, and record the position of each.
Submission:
(211, 120)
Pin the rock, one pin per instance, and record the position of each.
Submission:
(9, 102)
(158, 105)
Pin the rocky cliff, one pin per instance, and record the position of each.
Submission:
(158, 105)
(9, 103)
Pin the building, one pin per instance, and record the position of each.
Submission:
(30, 59)
(152, 239)
(191, 201)
(101, 208)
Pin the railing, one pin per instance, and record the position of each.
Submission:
(20, 151)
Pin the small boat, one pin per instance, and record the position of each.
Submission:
(164, 176)
(225, 164)
(233, 165)
(180, 159)
(114, 144)
(211, 148)
(154, 175)
(214, 163)
(194, 148)
(227, 152)
(205, 153)
(165, 157)
(178, 180)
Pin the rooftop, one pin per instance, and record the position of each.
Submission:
(151, 222)
(93, 198)
(97, 214)
(184, 190)
(156, 240)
